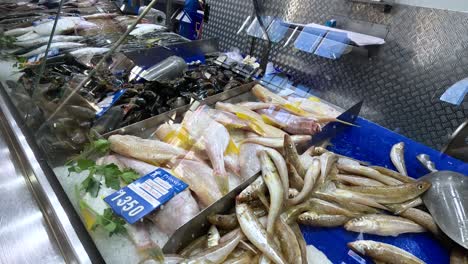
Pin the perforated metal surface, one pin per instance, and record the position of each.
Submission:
(425, 53)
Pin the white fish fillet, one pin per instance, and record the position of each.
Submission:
(314, 107)
(28, 36)
(140, 167)
(175, 213)
(18, 31)
(88, 51)
(199, 177)
(142, 29)
(214, 138)
(44, 40)
(56, 45)
(65, 24)
(144, 149)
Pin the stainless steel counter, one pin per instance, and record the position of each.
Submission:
(37, 222)
(24, 233)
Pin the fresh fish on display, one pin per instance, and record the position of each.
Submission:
(423, 219)
(321, 220)
(310, 179)
(391, 194)
(64, 25)
(200, 179)
(255, 121)
(383, 225)
(275, 189)
(213, 237)
(28, 36)
(142, 29)
(383, 253)
(140, 236)
(152, 151)
(293, 124)
(226, 222)
(318, 109)
(276, 142)
(295, 181)
(214, 139)
(357, 180)
(393, 174)
(88, 52)
(327, 160)
(44, 40)
(292, 156)
(397, 155)
(288, 242)
(216, 254)
(229, 120)
(55, 45)
(140, 167)
(100, 16)
(255, 232)
(259, 105)
(18, 31)
(369, 173)
(175, 213)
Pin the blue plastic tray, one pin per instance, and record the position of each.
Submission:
(372, 143)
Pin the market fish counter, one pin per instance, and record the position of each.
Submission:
(191, 156)
(307, 187)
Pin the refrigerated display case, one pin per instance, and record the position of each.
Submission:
(100, 122)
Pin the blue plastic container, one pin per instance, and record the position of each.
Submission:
(372, 143)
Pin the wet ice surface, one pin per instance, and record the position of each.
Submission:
(315, 256)
(117, 248)
(9, 70)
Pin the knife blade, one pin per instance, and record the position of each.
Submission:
(199, 225)
(332, 129)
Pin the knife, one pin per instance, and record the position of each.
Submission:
(334, 128)
(199, 225)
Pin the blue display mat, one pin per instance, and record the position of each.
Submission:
(372, 143)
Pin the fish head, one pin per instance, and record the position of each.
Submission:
(399, 146)
(358, 246)
(357, 224)
(422, 186)
(288, 143)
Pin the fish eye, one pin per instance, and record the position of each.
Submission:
(420, 186)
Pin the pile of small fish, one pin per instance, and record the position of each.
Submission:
(79, 37)
(263, 227)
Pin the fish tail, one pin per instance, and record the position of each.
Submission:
(155, 252)
(222, 180)
(295, 109)
(231, 148)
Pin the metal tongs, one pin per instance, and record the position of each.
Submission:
(199, 225)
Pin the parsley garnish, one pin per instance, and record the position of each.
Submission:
(96, 147)
(110, 222)
(113, 176)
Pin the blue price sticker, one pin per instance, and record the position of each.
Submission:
(144, 195)
(108, 102)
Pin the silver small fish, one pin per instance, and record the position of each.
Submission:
(397, 155)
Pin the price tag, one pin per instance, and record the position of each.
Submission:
(108, 102)
(144, 195)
